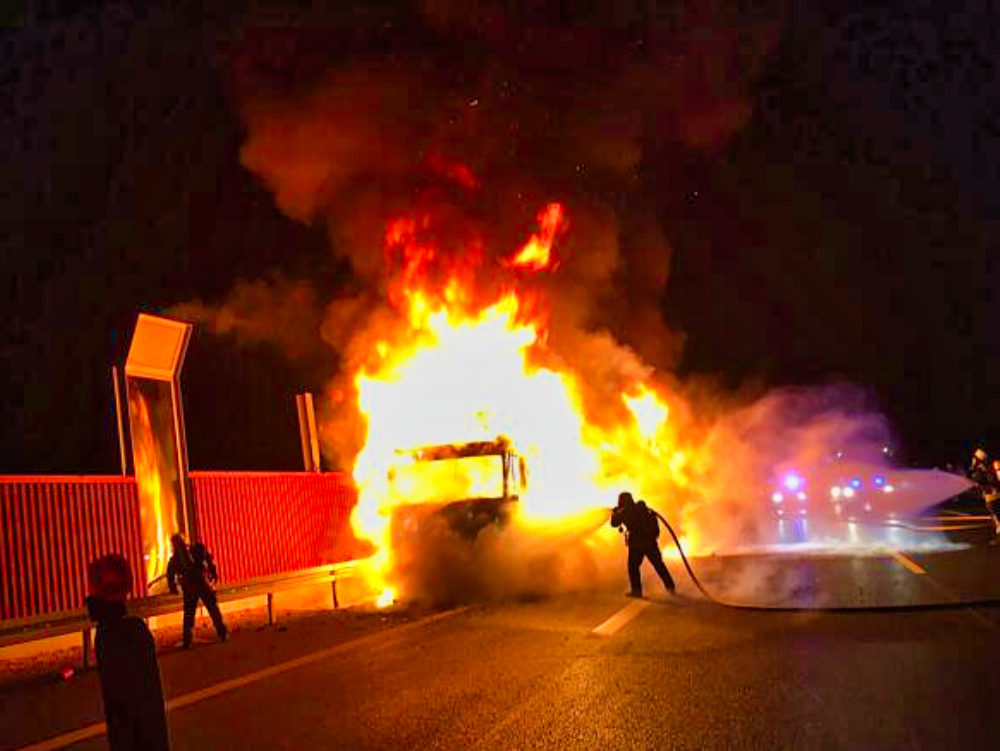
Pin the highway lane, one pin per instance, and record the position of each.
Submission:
(672, 674)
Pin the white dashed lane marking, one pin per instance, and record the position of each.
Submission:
(620, 619)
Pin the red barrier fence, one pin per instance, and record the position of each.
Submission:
(52, 527)
(264, 523)
(255, 524)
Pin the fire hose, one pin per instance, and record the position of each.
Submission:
(955, 604)
(687, 565)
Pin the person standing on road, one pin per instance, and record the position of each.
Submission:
(991, 495)
(126, 662)
(986, 477)
(642, 528)
(195, 570)
(979, 468)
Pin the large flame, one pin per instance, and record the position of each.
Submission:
(461, 370)
(149, 474)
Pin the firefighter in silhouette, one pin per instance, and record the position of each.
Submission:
(126, 662)
(642, 528)
(979, 468)
(195, 570)
(985, 475)
(992, 498)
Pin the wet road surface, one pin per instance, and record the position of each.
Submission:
(595, 670)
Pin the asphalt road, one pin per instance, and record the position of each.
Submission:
(595, 670)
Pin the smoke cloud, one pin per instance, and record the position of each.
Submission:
(279, 311)
(516, 562)
(479, 120)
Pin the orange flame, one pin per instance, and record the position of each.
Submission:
(536, 254)
(462, 368)
(149, 478)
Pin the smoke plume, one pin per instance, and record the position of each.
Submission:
(480, 117)
(279, 311)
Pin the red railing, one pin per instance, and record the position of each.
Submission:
(255, 524)
(52, 527)
(264, 523)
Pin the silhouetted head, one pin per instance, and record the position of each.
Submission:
(198, 551)
(177, 541)
(109, 578)
(625, 499)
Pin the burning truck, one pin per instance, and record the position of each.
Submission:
(468, 485)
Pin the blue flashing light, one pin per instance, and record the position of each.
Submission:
(856, 483)
(792, 481)
(879, 481)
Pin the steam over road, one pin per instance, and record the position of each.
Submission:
(592, 670)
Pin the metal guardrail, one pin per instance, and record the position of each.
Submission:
(25, 630)
(255, 523)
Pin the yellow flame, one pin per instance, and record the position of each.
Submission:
(537, 252)
(149, 483)
(649, 412)
(458, 375)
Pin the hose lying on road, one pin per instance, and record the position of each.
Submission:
(954, 604)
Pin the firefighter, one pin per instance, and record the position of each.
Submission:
(992, 498)
(195, 570)
(642, 528)
(126, 662)
(986, 478)
(979, 468)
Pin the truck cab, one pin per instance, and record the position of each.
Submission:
(470, 485)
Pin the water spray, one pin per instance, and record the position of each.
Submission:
(813, 608)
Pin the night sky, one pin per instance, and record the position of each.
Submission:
(837, 225)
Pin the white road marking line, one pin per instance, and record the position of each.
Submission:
(618, 621)
(100, 728)
(908, 562)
